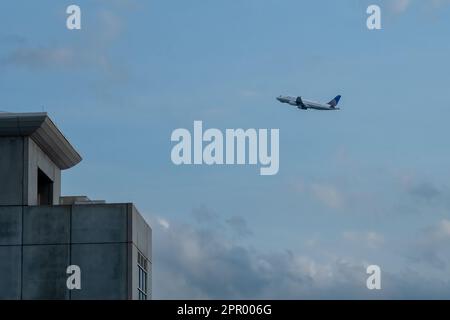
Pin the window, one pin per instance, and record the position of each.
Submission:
(143, 274)
(45, 189)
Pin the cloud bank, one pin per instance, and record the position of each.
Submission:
(194, 261)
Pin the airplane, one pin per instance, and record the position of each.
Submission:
(306, 104)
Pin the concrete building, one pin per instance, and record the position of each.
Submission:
(42, 233)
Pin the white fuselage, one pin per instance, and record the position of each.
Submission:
(305, 104)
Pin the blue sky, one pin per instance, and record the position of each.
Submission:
(366, 185)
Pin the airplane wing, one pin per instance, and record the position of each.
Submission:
(300, 103)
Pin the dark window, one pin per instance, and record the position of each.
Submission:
(45, 189)
(142, 284)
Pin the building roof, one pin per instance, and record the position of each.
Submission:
(40, 128)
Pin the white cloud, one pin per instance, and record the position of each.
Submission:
(370, 239)
(431, 247)
(239, 226)
(441, 231)
(327, 195)
(111, 26)
(191, 263)
(42, 57)
(399, 6)
(197, 263)
(164, 223)
(92, 53)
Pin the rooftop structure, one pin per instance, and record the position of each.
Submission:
(43, 233)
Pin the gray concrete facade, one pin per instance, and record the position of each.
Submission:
(38, 243)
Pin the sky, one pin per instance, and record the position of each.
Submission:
(366, 185)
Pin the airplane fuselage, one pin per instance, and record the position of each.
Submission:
(305, 104)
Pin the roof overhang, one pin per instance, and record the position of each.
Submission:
(40, 128)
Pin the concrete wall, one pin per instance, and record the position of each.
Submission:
(36, 158)
(100, 248)
(11, 171)
(10, 272)
(44, 271)
(104, 271)
(10, 252)
(38, 243)
(141, 241)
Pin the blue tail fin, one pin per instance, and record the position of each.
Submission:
(333, 103)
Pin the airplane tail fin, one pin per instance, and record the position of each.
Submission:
(333, 103)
